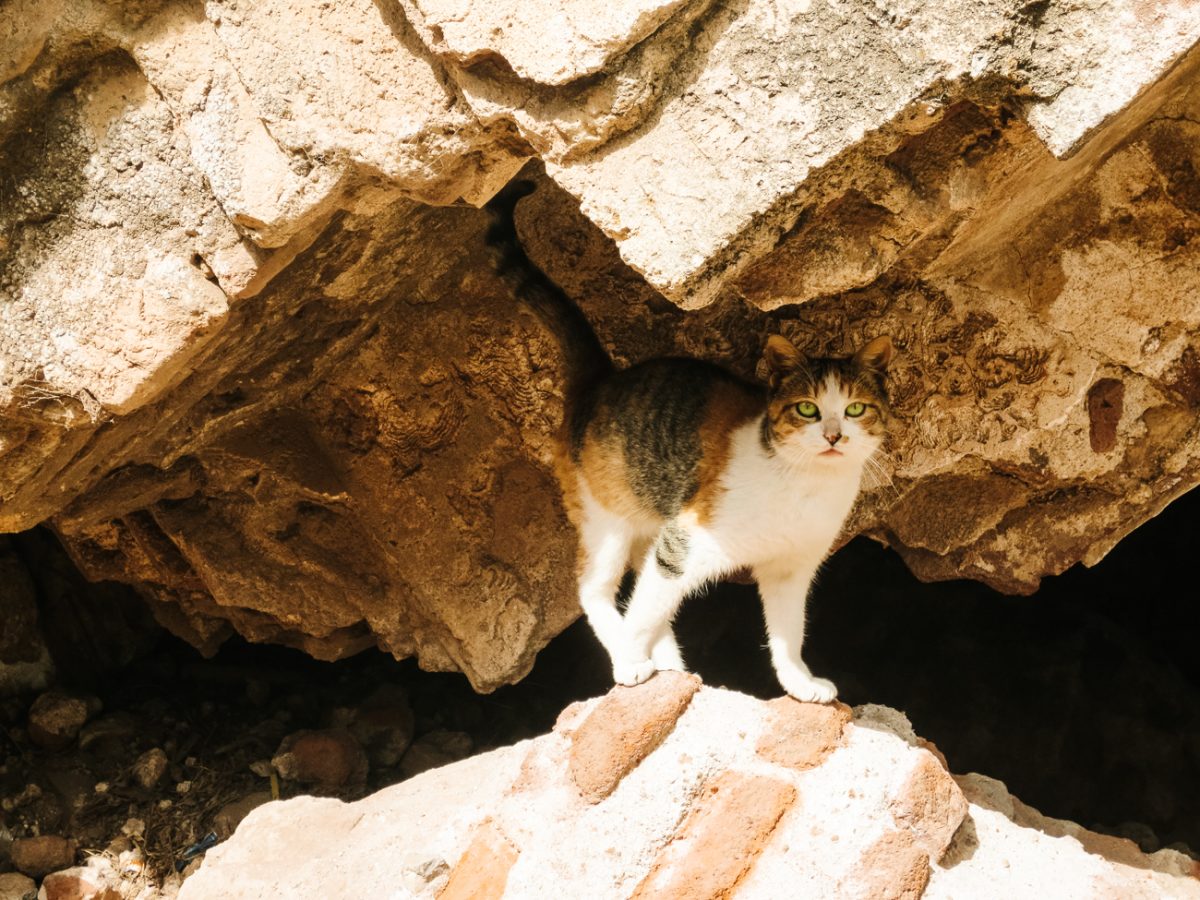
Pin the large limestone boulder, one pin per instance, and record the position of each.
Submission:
(671, 790)
(253, 363)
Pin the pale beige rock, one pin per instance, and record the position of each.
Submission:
(1096, 60)
(244, 369)
(998, 854)
(779, 92)
(553, 43)
(701, 815)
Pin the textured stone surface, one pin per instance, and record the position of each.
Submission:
(327, 758)
(482, 871)
(624, 729)
(702, 815)
(252, 361)
(38, 856)
(801, 735)
(55, 719)
(720, 839)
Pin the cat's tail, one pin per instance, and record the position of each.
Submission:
(586, 359)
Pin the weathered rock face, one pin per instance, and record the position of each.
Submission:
(253, 363)
(674, 790)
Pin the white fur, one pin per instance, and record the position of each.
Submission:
(779, 514)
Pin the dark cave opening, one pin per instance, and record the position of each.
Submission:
(1084, 698)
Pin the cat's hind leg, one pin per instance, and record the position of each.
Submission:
(784, 593)
(664, 650)
(674, 567)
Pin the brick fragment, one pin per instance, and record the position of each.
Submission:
(801, 735)
(624, 728)
(482, 871)
(929, 805)
(893, 868)
(731, 821)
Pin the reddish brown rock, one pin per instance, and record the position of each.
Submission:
(79, 883)
(732, 819)
(627, 725)
(327, 759)
(937, 753)
(482, 871)
(930, 805)
(893, 868)
(38, 856)
(801, 735)
(55, 719)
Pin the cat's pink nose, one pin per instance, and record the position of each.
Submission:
(833, 438)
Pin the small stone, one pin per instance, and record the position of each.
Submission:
(78, 883)
(133, 828)
(55, 719)
(150, 767)
(229, 816)
(39, 856)
(165, 804)
(327, 758)
(102, 787)
(15, 886)
(421, 873)
(183, 787)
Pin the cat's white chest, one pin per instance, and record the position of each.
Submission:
(770, 512)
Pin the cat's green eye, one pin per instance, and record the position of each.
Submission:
(854, 410)
(808, 409)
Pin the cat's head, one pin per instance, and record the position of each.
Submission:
(831, 412)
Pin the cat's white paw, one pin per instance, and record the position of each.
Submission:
(808, 688)
(630, 673)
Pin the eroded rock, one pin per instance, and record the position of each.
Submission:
(253, 361)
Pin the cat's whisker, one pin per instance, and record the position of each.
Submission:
(879, 476)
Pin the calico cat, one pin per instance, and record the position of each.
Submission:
(693, 473)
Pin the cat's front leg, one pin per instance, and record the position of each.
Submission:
(784, 592)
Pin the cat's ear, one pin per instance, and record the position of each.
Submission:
(782, 358)
(876, 355)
